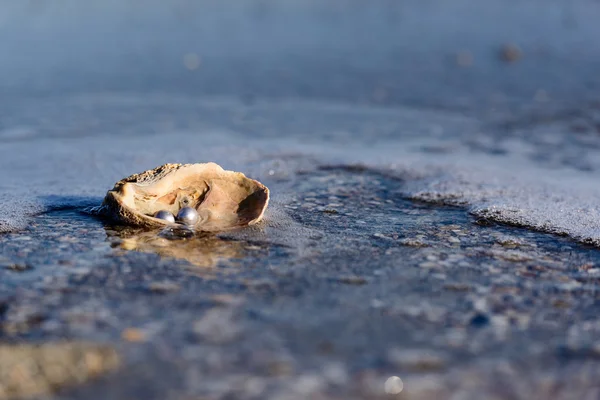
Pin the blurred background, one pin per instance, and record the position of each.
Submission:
(469, 55)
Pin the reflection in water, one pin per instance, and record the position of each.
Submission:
(201, 250)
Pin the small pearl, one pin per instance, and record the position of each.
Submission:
(164, 214)
(188, 216)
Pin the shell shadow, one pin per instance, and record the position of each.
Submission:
(62, 202)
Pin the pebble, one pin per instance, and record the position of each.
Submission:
(479, 320)
(133, 335)
(36, 370)
(225, 299)
(417, 360)
(413, 242)
(352, 280)
(18, 267)
(458, 287)
(593, 271)
(308, 384)
(218, 325)
(375, 303)
(336, 373)
(163, 287)
(510, 52)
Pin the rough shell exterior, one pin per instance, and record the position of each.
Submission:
(224, 200)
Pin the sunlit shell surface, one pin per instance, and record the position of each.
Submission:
(224, 200)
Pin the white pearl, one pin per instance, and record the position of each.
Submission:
(164, 214)
(188, 216)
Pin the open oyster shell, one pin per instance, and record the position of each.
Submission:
(224, 200)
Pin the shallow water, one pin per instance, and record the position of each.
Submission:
(349, 285)
(351, 278)
(440, 156)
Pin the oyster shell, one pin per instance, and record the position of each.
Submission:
(224, 200)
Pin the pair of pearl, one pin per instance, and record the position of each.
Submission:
(187, 216)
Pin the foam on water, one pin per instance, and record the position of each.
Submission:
(71, 162)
